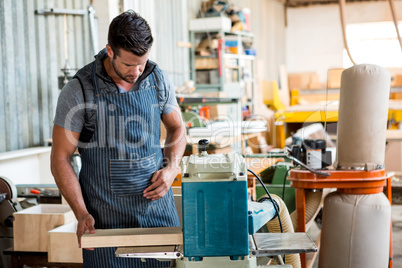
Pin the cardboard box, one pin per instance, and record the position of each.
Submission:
(334, 78)
(202, 77)
(211, 23)
(307, 80)
(393, 156)
(63, 244)
(31, 225)
(208, 63)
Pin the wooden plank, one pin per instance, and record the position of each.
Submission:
(32, 75)
(63, 244)
(133, 237)
(32, 224)
(176, 190)
(2, 82)
(258, 165)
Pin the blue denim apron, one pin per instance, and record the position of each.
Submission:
(118, 165)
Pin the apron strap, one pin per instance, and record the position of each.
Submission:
(94, 79)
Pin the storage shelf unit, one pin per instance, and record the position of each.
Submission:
(223, 71)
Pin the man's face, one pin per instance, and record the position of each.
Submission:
(127, 66)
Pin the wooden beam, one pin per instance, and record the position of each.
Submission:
(133, 237)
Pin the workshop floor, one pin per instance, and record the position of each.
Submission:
(396, 236)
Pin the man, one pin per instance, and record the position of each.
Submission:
(111, 111)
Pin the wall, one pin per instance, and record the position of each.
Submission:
(105, 11)
(314, 35)
(267, 24)
(168, 21)
(32, 54)
(35, 162)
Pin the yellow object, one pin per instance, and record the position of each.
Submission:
(270, 95)
(280, 134)
(294, 97)
(234, 50)
(307, 116)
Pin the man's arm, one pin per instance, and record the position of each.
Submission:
(174, 149)
(64, 144)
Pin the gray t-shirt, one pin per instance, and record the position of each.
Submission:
(70, 112)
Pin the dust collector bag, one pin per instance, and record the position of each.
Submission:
(355, 231)
(363, 114)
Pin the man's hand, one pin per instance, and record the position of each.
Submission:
(85, 223)
(161, 182)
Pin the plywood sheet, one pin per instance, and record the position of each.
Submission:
(133, 237)
(63, 244)
(32, 224)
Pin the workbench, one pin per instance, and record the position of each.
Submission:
(297, 115)
(319, 112)
(20, 259)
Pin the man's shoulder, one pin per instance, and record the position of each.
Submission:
(161, 75)
(72, 89)
(84, 71)
(157, 70)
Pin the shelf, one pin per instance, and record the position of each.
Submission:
(206, 57)
(238, 56)
(231, 67)
(229, 56)
(238, 33)
(213, 87)
(206, 69)
(209, 101)
(247, 34)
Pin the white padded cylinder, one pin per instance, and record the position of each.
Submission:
(355, 231)
(363, 114)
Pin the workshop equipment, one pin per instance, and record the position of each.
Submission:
(219, 220)
(8, 205)
(313, 153)
(8, 202)
(356, 218)
(366, 215)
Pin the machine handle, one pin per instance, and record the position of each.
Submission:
(203, 145)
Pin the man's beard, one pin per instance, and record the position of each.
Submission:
(131, 81)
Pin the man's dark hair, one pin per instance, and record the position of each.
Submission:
(130, 32)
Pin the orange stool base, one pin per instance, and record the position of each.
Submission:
(346, 181)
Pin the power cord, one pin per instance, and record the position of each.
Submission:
(273, 202)
(284, 182)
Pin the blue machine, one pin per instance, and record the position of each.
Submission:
(219, 220)
(217, 215)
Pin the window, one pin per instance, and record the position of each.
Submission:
(374, 43)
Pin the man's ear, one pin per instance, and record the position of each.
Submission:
(109, 51)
